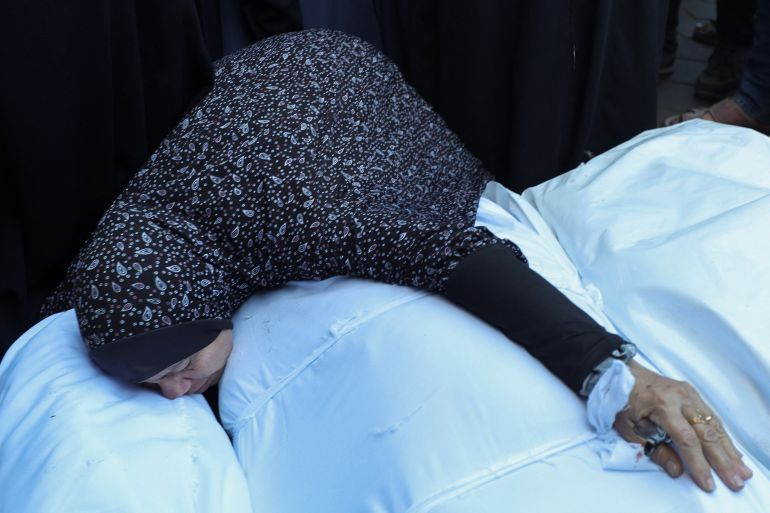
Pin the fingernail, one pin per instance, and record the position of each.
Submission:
(747, 473)
(737, 481)
(710, 486)
(671, 468)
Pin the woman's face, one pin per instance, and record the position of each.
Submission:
(196, 373)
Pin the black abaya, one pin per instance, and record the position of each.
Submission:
(89, 90)
(535, 88)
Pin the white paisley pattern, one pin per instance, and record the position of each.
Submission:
(310, 157)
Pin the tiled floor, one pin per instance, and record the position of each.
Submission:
(675, 94)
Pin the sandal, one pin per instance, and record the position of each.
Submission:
(701, 113)
(726, 111)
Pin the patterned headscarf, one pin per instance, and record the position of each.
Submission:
(311, 157)
(146, 295)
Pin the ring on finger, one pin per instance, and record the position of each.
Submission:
(654, 435)
(700, 418)
(650, 445)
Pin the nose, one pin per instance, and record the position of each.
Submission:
(174, 385)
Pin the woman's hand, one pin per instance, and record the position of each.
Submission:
(699, 438)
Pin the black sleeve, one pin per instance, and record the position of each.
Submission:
(495, 285)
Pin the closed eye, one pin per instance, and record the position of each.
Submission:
(187, 367)
(174, 369)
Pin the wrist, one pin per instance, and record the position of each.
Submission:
(624, 353)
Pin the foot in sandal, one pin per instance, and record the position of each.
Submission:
(725, 111)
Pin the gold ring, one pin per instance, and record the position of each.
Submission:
(699, 418)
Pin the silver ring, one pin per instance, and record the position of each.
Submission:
(654, 435)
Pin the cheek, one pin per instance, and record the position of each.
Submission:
(197, 373)
(205, 368)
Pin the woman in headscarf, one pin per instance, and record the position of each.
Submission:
(312, 158)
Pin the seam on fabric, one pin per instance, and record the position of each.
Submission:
(495, 472)
(194, 453)
(337, 332)
(351, 323)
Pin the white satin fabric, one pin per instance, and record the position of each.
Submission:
(347, 395)
(672, 228)
(75, 440)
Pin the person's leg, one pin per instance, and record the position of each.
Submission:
(734, 21)
(723, 72)
(670, 43)
(753, 95)
(672, 23)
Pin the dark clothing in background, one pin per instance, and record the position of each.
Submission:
(743, 28)
(754, 91)
(670, 37)
(532, 88)
(367, 20)
(735, 21)
(229, 25)
(535, 88)
(266, 18)
(89, 90)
